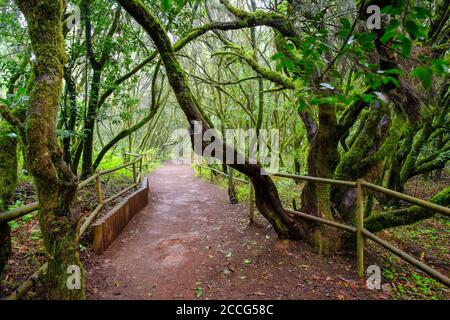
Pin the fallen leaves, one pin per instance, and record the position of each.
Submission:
(198, 292)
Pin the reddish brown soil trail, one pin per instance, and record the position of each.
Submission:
(190, 242)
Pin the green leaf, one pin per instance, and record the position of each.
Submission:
(388, 35)
(369, 98)
(440, 67)
(387, 9)
(375, 84)
(346, 25)
(198, 292)
(289, 47)
(390, 31)
(248, 261)
(366, 39)
(393, 10)
(278, 55)
(13, 225)
(21, 91)
(302, 105)
(165, 5)
(421, 13)
(412, 28)
(180, 3)
(406, 46)
(425, 75)
(392, 80)
(393, 71)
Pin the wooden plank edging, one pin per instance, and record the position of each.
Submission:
(106, 229)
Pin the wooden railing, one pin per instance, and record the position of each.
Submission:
(136, 164)
(251, 200)
(361, 233)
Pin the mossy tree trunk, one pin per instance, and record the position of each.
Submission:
(323, 157)
(56, 184)
(8, 184)
(410, 215)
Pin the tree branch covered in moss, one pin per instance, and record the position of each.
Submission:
(383, 220)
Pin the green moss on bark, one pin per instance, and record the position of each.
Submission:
(8, 185)
(56, 184)
(384, 220)
(323, 157)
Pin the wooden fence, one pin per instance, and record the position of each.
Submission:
(361, 233)
(137, 166)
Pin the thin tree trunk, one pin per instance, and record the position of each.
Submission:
(91, 118)
(231, 192)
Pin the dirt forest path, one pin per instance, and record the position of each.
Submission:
(190, 243)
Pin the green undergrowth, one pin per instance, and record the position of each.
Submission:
(288, 190)
(241, 189)
(114, 161)
(427, 241)
(16, 224)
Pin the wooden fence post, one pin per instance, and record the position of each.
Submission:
(359, 228)
(251, 211)
(134, 172)
(211, 176)
(98, 184)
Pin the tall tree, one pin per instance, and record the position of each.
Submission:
(56, 184)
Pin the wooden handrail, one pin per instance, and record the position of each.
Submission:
(18, 212)
(223, 173)
(133, 154)
(403, 255)
(28, 208)
(320, 220)
(315, 179)
(420, 202)
(410, 259)
(102, 173)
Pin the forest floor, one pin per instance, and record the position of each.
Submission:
(189, 242)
